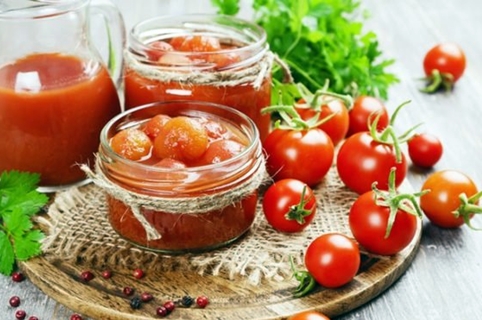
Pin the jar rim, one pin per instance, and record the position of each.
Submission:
(252, 36)
(113, 156)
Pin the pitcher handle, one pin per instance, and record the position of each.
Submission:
(116, 36)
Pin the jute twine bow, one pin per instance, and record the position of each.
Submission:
(254, 74)
(179, 205)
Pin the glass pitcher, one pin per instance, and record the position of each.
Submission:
(56, 90)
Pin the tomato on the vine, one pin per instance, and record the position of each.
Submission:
(443, 64)
(305, 155)
(364, 110)
(332, 260)
(443, 205)
(289, 205)
(309, 315)
(337, 126)
(425, 150)
(362, 161)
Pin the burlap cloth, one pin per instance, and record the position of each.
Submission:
(78, 231)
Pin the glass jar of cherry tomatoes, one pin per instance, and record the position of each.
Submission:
(180, 176)
(210, 58)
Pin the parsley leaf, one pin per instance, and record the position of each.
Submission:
(229, 7)
(321, 40)
(19, 201)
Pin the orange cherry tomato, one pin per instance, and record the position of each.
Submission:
(309, 315)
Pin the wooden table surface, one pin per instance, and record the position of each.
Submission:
(445, 279)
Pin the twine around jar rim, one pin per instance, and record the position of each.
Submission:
(253, 74)
(179, 205)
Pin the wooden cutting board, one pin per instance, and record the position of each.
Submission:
(230, 299)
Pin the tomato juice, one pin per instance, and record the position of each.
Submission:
(52, 109)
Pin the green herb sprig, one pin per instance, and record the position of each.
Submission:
(321, 40)
(19, 201)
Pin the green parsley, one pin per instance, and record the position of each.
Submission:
(19, 201)
(321, 40)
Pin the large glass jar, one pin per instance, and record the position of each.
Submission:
(210, 58)
(177, 210)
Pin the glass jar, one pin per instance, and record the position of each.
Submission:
(56, 92)
(190, 209)
(236, 71)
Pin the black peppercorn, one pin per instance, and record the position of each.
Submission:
(136, 303)
(187, 301)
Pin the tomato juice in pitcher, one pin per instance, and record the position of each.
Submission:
(56, 93)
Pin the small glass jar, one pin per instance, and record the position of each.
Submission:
(191, 209)
(235, 74)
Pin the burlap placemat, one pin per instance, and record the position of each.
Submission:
(78, 231)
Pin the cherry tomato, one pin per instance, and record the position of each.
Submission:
(155, 124)
(447, 58)
(306, 155)
(157, 49)
(425, 150)
(132, 144)
(365, 109)
(332, 260)
(443, 199)
(309, 315)
(181, 138)
(368, 223)
(289, 205)
(196, 43)
(336, 127)
(362, 161)
(221, 150)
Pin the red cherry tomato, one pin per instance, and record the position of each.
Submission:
(336, 127)
(289, 205)
(443, 199)
(447, 58)
(332, 260)
(368, 223)
(309, 315)
(362, 161)
(306, 155)
(366, 108)
(425, 150)
(221, 150)
(155, 124)
(157, 49)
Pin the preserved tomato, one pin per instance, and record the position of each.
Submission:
(52, 109)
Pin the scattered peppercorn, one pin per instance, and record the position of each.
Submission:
(136, 303)
(187, 301)
(20, 315)
(14, 301)
(128, 291)
(76, 316)
(106, 274)
(161, 311)
(202, 301)
(17, 276)
(138, 273)
(169, 305)
(146, 297)
(86, 276)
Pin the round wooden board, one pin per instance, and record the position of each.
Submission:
(230, 299)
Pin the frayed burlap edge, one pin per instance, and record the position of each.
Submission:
(78, 230)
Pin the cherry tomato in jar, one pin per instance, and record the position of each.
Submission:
(155, 124)
(157, 49)
(425, 150)
(337, 126)
(305, 155)
(364, 110)
(445, 187)
(369, 222)
(289, 205)
(361, 161)
(332, 260)
(443, 64)
(309, 315)
(132, 144)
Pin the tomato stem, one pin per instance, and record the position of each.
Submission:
(298, 212)
(468, 207)
(437, 80)
(306, 282)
